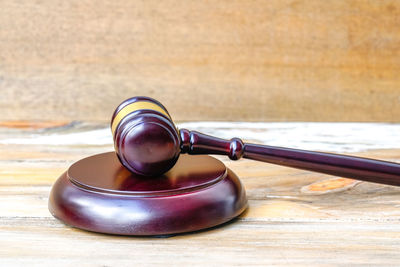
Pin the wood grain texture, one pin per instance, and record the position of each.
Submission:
(295, 217)
(225, 60)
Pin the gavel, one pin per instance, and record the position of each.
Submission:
(148, 143)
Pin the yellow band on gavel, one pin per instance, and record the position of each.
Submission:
(134, 107)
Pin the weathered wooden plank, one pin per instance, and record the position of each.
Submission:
(36, 241)
(227, 60)
(294, 218)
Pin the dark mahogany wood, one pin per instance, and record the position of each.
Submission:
(99, 194)
(148, 143)
(365, 169)
(109, 192)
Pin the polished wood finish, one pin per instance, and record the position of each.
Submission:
(148, 143)
(99, 194)
(365, 169)
(243, 60)
(295, 217)
(145, 140)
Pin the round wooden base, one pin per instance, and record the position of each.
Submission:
(98, 194)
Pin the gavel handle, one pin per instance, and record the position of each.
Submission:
(365, 169)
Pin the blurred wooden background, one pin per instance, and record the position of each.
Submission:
(335, 60)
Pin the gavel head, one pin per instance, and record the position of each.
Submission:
(145, 138)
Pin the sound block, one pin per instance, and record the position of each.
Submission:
(99, 194)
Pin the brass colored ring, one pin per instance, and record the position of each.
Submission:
(134, 107)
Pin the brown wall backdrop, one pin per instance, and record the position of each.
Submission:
(336, 60)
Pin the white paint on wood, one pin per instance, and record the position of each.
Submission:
(335, 137)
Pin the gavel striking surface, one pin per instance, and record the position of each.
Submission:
(99, 194)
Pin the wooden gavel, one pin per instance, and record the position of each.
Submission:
(148, 143)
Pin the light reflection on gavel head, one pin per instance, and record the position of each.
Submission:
(148, 144)
(145, 138)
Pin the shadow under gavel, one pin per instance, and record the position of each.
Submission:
(148, 143)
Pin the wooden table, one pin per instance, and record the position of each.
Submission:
(294, 218)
